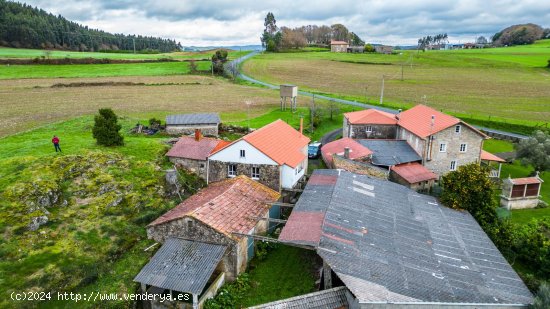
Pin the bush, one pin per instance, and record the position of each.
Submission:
(230, 294)
(263, 248)
(106, 128)
(542, 301)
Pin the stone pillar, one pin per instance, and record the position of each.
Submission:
(327, 274)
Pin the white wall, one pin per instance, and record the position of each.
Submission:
(289, 175)
(252, 155)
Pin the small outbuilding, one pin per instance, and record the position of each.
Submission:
(519, 193)
(186, 124)
(414, 176)
(339, 46)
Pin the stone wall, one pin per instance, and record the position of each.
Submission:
(378, 131)
(269, 174)
(206, 130)
(195, 166)
(441, 161)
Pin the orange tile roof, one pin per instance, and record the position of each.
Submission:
(227, 206)
(525, 180)
(338, 43)
(487, 156)
(370, 116)
(418, 120)
(337, 147)
(279, 141)
(414, 172)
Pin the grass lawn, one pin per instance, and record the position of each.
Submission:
(286, 272)
(495, 145)
(501, 84)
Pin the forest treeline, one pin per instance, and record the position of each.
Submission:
(23, 26)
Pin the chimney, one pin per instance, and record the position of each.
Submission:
(398, 112)
(302, 125)
(433, 120)
(198, 135)
(346, 152)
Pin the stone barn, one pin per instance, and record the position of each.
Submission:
(414, 176)
(339, 46)
(186, 124)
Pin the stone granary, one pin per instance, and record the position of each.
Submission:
(216, 218)
(519, 193)
(192, 152)
(186, 124)
(394, 248)
(274, 155)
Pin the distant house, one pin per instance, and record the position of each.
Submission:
(383, 49)
(394, 248)
(187, 124)
(519, 193)
(356, 49)
(370, 123)
(339, 46)
(274, 155)
(192, 152)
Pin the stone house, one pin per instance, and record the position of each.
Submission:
(339, 46)
(186, 124)
(274, 155)
(221, 214)
(443, 142)
(191, 152)
(520, 193)
(345, 147)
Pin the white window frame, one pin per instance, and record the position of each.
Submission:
(242, 153)
(458, 129)
(465, 147)
(368, 129)
(231, 170)
(255, 176)
(454, 165)
(444, 146)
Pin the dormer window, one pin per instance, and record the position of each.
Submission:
(458, 128)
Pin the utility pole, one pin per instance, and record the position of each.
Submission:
(134, 41)
(382, 91)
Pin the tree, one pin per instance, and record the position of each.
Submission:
(218, 60)
(469, 188)
(542, 301)
(369, 48)
(292, 38)
(339, 32)
(518, 35)
(106, 128)
(271, 37)
(356, 40)
(535, 150)
(482, 40)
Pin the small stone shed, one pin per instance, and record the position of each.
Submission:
(221, 213)
(355, 151)
(414, 176)
(519, 193)
(192, 152)
(186, 124)
(339, 46)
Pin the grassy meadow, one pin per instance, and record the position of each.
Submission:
(505, 84)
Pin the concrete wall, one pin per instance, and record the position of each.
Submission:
(441, 161)
(206, 130)
(379, 131)
(195, 166)
(269, 174)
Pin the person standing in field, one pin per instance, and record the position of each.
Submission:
(55, 141)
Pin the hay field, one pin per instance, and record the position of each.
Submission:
(28, 103)
(507, 84)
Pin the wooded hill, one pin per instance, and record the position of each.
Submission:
(23, 26)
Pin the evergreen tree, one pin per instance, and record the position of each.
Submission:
(106, 128)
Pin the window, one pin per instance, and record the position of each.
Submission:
(463, 147)
(368, 129)
(532, 189)
(518, 190)
(453, 166)
(443, 147)
(255, 173)
(243, 153)
(231, 170)
(458, 128)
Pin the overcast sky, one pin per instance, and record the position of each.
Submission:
(240, 22)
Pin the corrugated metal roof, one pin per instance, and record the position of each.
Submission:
(182, 265)
(328, 299)
(390, 152)
(388, 243)
(205, 118)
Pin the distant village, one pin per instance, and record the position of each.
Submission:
(384, 240)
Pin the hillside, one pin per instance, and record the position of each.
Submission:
(518, 35)
(21, 25)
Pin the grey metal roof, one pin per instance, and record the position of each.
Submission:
(390, 152)
(388, 243)
(182, 265)
(327, 299)
(207, 118)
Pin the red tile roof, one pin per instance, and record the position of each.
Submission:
(227, 206)
(189, 148)
(418, 120)
(357, 150)
(370, 116)
(525, 180)
(339, 43)
(487, 156)
(414, 172)
(279, 141)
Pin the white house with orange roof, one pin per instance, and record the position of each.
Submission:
(275, 155)
(442, 141)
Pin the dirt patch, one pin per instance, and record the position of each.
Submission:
(113, 84)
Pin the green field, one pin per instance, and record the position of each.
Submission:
(502, 84)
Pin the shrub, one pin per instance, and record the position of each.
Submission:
(106, 128)
(542, 301)
(230, 294)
